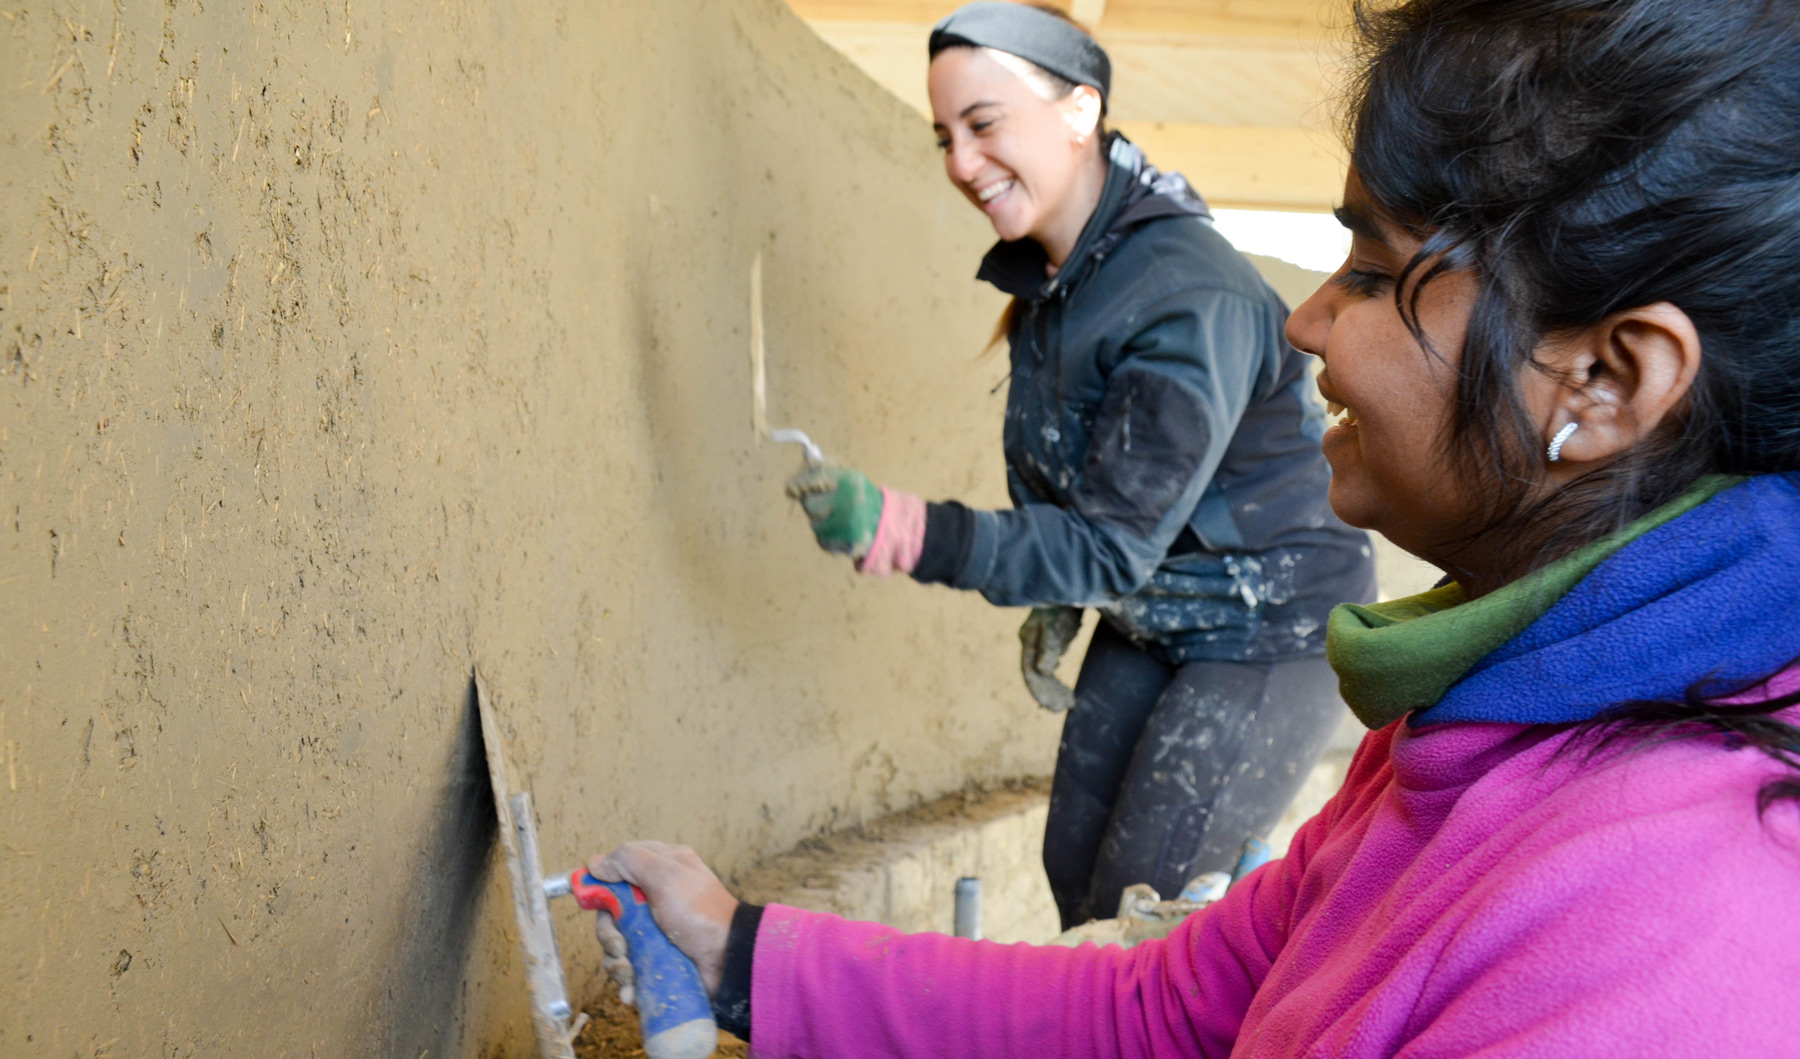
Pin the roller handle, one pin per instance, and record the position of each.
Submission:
(673, 1009)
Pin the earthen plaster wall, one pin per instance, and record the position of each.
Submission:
(349, 347)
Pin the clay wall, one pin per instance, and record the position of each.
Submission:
(346, 348)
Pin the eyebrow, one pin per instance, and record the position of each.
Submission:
(977, 105)
(966, 111)
(1360, 222)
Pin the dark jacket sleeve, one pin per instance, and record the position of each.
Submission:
(1170, 409)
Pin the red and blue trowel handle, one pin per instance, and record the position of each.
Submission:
(671, 1001)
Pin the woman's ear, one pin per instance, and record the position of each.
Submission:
(1616, 382)
(1082, 112)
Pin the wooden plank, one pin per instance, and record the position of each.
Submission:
(1249, 168)
(919, 12)
(1267, 18)
(1307, 18)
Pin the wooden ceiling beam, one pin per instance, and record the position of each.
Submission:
(919, 12)
(1279, 19)
(1247, 168)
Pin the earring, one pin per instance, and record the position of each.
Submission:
(1556, 443)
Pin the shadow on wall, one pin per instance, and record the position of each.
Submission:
(426, 978)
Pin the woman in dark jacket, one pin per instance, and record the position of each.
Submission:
(1162, 454)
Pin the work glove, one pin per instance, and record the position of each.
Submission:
(843, 506)
(1043, 640)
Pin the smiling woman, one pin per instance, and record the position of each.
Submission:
(1161, 449)
(1036, 170)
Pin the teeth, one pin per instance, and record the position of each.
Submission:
(994, 191)
(1332, 408)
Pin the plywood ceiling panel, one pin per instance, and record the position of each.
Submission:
(1241, 91)
(1156, 77)
(1217, 81)
(1306, 19)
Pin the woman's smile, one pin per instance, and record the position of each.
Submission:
(997, 197)
(993, 194)
(1340, 432)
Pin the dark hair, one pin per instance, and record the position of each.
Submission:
(1579, 158)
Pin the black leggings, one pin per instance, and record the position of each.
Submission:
(1164, 771)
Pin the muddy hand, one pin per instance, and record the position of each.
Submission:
(1043, 640)
(689, 903)
(843, 506)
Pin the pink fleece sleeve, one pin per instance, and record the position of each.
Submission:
(826, 987)
(829, 988)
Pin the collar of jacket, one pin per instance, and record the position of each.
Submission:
(1135, 192)
(1542, 650)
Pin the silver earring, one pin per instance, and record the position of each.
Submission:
(1556, 443)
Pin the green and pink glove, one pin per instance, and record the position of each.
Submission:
(882, 529)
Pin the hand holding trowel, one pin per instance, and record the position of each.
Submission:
(883, 530)
(673, 1008)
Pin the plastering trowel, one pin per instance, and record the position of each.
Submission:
(673, 1010)
(759, 386)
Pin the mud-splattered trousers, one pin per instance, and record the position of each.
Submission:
(1165, 770)
(1162, 453)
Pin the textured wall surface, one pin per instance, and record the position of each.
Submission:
(345, 348)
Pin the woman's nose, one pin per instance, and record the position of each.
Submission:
(1310, 322)
(963, 161)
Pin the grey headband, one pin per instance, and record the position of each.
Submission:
(1035, 36)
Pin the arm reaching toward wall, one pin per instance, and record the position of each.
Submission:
(827, 987)
(689, 902)
(1169, 413)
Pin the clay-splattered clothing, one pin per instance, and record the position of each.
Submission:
(1163, 771)
(1161, 441)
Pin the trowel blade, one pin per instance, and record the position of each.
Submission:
(814, 455)
(550, 1008)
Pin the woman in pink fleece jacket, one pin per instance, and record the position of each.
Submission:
(1566, 350)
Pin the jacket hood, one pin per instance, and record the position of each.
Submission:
(1135, 193)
